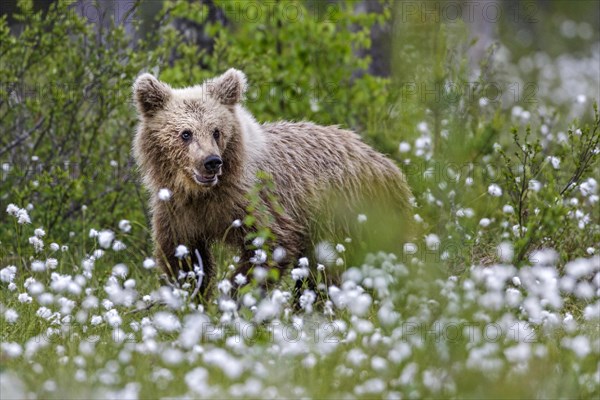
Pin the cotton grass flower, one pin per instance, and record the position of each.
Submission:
(23, 217)
(197, 380)
(580, 345)
(11, 350)
(51, 263)
(172, 356)
(118, 246)
(125, 225)
(423, 146)
(227, 307)
(535, 185)
(432, 241)
(224, 286)
(20, 213)
(484, 222)
(24, 298)
(113, 318)
(410, 248)
(181, 251)
(279, 254)
(266, 310)
(554, 161)
(149, 263)
(258, 241)
(12, 209)
(11, 316)
(352, 298)
(508, 209)
(240, 280)
(44, 313)
(325, 253)
(164, 194)
(588, 187)
(464, 213)
(505, 252)
(120, 271)
(260, 257)
(7, 274)
(248, 300)
(303, 262)
(231, 366)
(495, 190)
(306, 301)
(259, 274)
(299, 274)
(38, 266)
(105, 238)
(166, 322)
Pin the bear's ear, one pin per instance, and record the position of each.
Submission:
(228, 88)
(150, 95)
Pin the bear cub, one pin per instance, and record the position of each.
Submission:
(208, 151)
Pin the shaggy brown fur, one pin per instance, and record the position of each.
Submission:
(313, 168)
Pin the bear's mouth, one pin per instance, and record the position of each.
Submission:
(206, 180)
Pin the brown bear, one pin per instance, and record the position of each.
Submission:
(203, 146)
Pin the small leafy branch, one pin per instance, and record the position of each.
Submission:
(259, 218)
(584, 152)
(536, 193)
(526, 164)
(261, 210)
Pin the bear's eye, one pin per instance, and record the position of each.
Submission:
(216, 133)
(186, 135)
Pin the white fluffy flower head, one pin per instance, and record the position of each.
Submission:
(181, 251)
(495, 190)
(164, 194)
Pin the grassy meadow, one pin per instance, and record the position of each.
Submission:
(493, 120)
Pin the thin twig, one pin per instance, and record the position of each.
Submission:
(146, 308)
(200, 275)
(24, 136)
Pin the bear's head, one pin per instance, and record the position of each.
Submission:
(187, 139)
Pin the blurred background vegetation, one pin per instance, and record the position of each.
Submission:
(447, 79)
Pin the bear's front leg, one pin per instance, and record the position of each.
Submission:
(288, 243)
(166, 243)
(164, 254)
(172, 265)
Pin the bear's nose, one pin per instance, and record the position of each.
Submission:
(213, 163)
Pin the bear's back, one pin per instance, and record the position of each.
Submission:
(309, 161)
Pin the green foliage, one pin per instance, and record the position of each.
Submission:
(539, 192)
(288, 79)
(67, 120)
